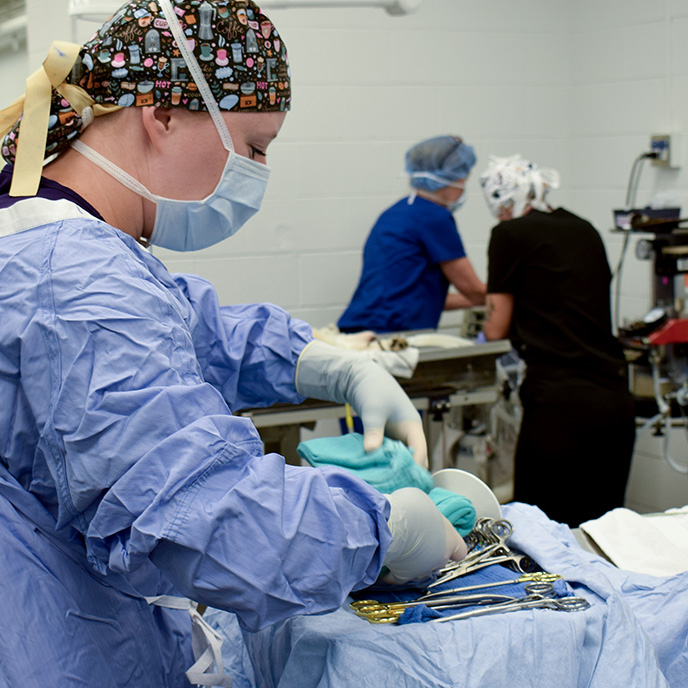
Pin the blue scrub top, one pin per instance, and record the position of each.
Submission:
(402, 286)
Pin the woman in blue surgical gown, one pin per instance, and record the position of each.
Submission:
(127, 485)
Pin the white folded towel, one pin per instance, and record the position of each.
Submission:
(656, 544)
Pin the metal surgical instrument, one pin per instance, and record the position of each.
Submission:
(520, 562)
(536, 577)
(563, 604)
(388, 612)
(381, 612)
(487, 531)
(492, 535)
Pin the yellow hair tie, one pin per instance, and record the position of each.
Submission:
(35, 106)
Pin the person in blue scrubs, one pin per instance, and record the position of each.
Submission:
(414, 251)
(129, 490)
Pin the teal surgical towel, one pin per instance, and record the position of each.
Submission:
(457, 509)
(388, 468)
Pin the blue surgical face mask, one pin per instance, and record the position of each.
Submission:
(451, 207)
(193, 225)
(457, 204)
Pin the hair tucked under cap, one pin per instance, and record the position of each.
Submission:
(438, 162)
(134, 60)
(516, 183)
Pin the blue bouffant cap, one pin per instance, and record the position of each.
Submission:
(438, 162)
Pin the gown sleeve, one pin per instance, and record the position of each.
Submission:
(248, 352)
(147, 458)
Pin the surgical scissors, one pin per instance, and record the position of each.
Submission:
(536, 577)
(487, 531)
(499, 555)
(488, 535)
(389, 612)
(561, 604)
(490, 538)
(492, 535)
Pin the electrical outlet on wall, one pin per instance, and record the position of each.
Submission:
(666, 147)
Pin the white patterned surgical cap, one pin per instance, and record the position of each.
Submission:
(516, 183)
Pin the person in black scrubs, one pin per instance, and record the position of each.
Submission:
(548, 291)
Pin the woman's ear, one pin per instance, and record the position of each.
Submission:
(157, 124)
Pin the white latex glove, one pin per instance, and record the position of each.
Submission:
(423, 539)
(326, 372)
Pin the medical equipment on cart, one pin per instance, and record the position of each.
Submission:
(657, 345)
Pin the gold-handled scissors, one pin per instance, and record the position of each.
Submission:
(536, 577)
(381, 612)
(389, 612)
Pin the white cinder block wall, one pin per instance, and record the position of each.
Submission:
(576, 86)
(629, 78)
(579, 87)
(366, 86)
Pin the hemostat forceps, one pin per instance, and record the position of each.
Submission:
(536, 577)
(487, 531)
(389, 612)
(562, 604)
(492, 535)
(500, 555)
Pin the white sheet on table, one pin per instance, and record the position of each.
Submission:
(655, 544)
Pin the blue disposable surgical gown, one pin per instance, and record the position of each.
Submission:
(124, 474)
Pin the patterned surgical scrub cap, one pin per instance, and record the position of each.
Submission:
(133, 60)
(517, 183)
